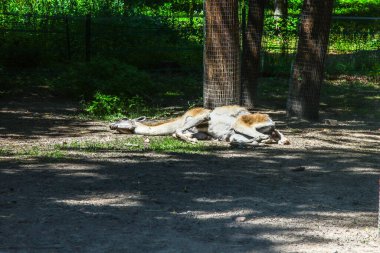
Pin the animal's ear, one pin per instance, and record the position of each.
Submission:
(142, 118)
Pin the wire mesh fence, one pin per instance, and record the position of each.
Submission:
(174, 43)
(221, 54)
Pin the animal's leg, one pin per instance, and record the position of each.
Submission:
(190, 122)
(283, 140)
(242, 140)
(201, 136)
(251, 132)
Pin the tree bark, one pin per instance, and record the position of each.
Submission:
(251, 52)
(221, 54)
(280, 9)
(306, 80)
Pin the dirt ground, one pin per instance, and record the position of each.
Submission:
(320, 194)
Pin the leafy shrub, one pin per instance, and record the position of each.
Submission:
(108, 76)
(103, 105)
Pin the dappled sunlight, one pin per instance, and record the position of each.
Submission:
(245, 197)
(226, 215)
(88, 175)
(256, 200)
(103, 200)
(374, 171)
(318, 193)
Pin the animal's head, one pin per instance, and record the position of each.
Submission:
(261, 122)
(126, 126)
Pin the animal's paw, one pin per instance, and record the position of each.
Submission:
(284, 142)
(262, 137)
(185, 137)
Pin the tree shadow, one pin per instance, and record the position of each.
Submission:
(33, 119)
(264, 199)
(228, 201)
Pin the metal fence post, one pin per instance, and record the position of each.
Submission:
(88, 37)
(68, 45)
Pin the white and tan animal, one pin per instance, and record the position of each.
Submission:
(234, 124)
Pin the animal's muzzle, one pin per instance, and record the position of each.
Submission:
(266, 129)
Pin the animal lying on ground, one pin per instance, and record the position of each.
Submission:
(232, 123)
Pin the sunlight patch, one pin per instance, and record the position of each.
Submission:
(219, 215)
(115, 201)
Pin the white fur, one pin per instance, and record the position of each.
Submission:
(223, 124)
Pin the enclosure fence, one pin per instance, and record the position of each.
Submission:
(221, 54)
(174, 44)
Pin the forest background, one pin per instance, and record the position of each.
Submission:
(127, 58)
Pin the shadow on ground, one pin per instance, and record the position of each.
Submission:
(300, 198)
(246, 201)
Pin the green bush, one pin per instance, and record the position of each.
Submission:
(103, 105)
(108, 76)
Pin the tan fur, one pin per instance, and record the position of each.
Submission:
(192, 112)
(252, 119)
(158, 123)
(230, 123)
(196, 111)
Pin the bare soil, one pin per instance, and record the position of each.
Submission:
(320, 194)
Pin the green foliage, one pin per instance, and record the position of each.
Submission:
(345, 7)
(105, 105)
(357, 8)
(110, 108)
(169, 144)
(108, 76)
(130, 39)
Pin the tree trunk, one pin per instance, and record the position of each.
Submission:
(281, 20)
(280, 9)
(221, 54)
(306, 80)
(251, 52)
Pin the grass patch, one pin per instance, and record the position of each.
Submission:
(5, 152)
(168, 144)
(159, 144)
(137, 144)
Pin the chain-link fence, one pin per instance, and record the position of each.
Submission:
(174, 43)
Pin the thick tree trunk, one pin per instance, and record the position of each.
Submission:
(280, 9)
(281, 22)
(306, 80)
(221, 54)
(251, 52)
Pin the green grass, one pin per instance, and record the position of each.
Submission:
(5, 152)
(164, 144)
(138, 143)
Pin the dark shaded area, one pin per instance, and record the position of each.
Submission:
(31, 119)
(251, 50)
(120, 201)
(152, 199)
